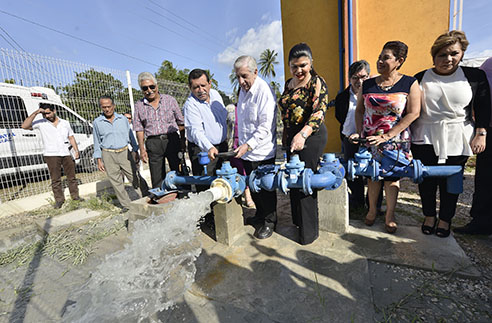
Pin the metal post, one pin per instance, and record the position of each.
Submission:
(461, 15)
(130, 91)
(455, 13)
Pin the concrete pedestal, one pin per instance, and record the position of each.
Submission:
(228, 222)
(140, 209)
(333, 209)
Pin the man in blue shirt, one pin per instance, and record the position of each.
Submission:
(205, 120)
(112, 134)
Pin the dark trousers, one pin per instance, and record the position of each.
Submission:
(55, 164)
(357, 185)
(428, 188)
(265, 201)
(158, 148)
(481, 209)
(215, 164)
(304, 207)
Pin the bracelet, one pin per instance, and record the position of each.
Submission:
(304, 134)
(482, 133)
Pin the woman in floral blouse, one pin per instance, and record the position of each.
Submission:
(303, 105)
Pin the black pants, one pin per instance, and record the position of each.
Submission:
(481, 210)
(265, 201)
(357, 185)
(215, 164)
(158, 148)
(304, 207)
(428, 188)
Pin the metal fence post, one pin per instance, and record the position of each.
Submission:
(130, 91)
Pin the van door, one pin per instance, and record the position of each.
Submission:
(20, 150)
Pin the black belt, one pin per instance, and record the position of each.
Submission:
(162, 137)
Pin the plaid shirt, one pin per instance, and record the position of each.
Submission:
(163, 120)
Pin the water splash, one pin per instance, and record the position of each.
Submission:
(150, 273)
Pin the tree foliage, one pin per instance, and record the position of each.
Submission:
(268, 60)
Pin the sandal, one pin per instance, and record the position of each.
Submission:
(443, 233)
(427, 229)
(391, 229)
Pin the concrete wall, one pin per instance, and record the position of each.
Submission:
(315, 22)
(417, 23)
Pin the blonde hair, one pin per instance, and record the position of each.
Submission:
(449, 38)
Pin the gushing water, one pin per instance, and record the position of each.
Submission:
(150, 273)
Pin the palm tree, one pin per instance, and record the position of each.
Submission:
(268, 60)
(234, 82)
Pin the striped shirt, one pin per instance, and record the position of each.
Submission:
(163, 120)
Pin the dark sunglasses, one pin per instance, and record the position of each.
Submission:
(145, 88)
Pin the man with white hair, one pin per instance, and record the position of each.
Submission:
(256, 120)
(157, 119)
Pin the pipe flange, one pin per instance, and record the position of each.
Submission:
(282, 182)
(169, 181)
(226, 188)
(306, 181)
(252, 182)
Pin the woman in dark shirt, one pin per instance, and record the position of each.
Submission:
(303, 105)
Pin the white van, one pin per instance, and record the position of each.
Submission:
(22, 150)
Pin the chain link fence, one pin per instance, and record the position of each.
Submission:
(27, 79)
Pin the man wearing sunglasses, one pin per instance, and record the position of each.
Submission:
(157, 121)
(57, 137)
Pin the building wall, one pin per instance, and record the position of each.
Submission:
(417, 23)
(315, 22)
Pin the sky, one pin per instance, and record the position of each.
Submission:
(190, 34)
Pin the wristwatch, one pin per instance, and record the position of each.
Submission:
(304, 134)
(482, 133)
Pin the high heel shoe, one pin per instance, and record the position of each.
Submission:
(443, 233)
(427, 229)
(369, 222)
(391, 229)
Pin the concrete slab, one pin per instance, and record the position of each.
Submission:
(74, 218)
(228, 220)
(15, 237)
(409, 247)
(279, 280)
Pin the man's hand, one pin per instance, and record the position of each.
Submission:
(40, 110)
(241, 150)
(354, 138)
(100, 165)
(143, 155)
(77, 154)
(212, 153)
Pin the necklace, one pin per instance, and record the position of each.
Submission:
(387, 87)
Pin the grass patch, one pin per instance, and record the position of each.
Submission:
(73, 245)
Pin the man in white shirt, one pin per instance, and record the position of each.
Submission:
(205, 119)
(256, 120)
(57, 137)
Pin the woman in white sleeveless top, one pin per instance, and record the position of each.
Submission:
(452, 124)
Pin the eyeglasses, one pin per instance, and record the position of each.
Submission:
(145, 87)
(129, 118)
(356, 78)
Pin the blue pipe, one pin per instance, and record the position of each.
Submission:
(350, 32)
(340, 43)
(173, 180)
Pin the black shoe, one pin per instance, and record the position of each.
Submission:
(265, 231)
(58, 205)
(474, 228)
(79, 199)
(427, 229)
(443, 233)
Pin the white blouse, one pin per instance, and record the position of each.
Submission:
(442, 120)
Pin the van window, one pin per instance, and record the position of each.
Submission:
(78, 125)
(12, 111)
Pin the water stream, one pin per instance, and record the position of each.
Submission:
(150, 273)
